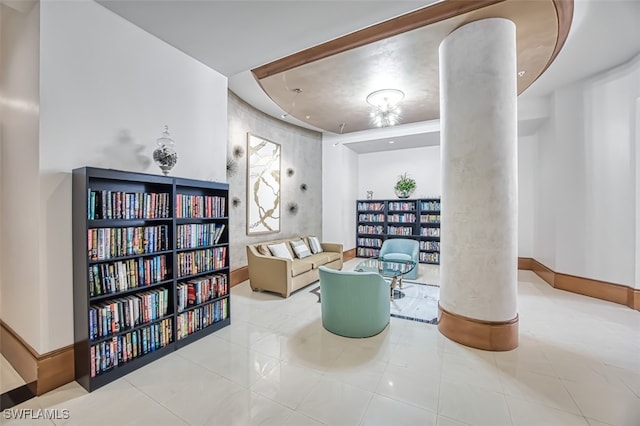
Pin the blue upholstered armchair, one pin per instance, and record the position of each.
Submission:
(354, 304)
(401, 249)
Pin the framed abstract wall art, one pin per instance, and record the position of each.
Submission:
(263, 185)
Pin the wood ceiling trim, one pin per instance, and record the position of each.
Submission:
(428, 15)
(564, 10)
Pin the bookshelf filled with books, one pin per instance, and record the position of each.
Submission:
(150, 269)
(379, 220)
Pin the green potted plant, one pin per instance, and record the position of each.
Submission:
(405, 186)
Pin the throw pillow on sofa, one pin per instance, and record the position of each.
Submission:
(314, 242)
(300, 249)
(280, 250)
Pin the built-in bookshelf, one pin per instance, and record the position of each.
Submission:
(151, 269)
(379, 220)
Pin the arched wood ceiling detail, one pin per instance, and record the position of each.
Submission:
(335, 77)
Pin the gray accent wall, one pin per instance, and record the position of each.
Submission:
(301, 151)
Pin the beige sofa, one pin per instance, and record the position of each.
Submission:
(284, 276)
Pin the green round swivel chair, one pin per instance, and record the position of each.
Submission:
(354, 304)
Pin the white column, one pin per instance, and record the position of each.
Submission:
(478, 107)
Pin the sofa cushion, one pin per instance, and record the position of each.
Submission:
(263, 249)
(316, 247)
(397, 256)
(280, 250)
(300, 249)
(332, 256)
(318, 259)
(300, 266)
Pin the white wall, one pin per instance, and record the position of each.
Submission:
(544, 196)
(526, 157)
(107, 88)
(19, 182)
(339, 183)
(586, 176)
(379, 172)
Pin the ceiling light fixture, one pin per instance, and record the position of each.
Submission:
(386, 111)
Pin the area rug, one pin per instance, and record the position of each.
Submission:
(414, 301)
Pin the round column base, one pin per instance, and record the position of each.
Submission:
(479, 334)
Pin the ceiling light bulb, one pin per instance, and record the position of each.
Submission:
(386, 111)
(392, 141)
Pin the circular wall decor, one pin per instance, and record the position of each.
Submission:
(292, 208)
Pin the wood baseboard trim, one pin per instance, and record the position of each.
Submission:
(603, 290)
(593, 288)
(543, 272)
(48, 371)
(485, 335)
(239, 275)
(349, 254)
(633, 298)
(525, 263)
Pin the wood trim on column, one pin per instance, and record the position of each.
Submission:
(239, 275)
(485, 335)
(48, 371)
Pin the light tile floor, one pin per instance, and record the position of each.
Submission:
(578, 363)
(9, 377)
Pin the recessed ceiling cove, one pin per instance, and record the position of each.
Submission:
(327, 85)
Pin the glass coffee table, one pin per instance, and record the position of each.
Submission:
(394, 270)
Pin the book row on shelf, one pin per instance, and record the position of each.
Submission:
(399, 230)
(367, 252)
(370, 229)
(126, 347)
(371, 217)
(429, 257)
(365, 205)
(201, 289)
(405, 217)
(201, 317)
(200, 206)
(107, 278)
(431, 206)
(429, 232)
(430, 218)
(369, 242)
(402, 205)
(199, 261)
(107, 243)
(113, 316)
(430, 245)
(196, 235)
(105, 204)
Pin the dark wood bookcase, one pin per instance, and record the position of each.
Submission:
(150, 268)
(379, 220)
